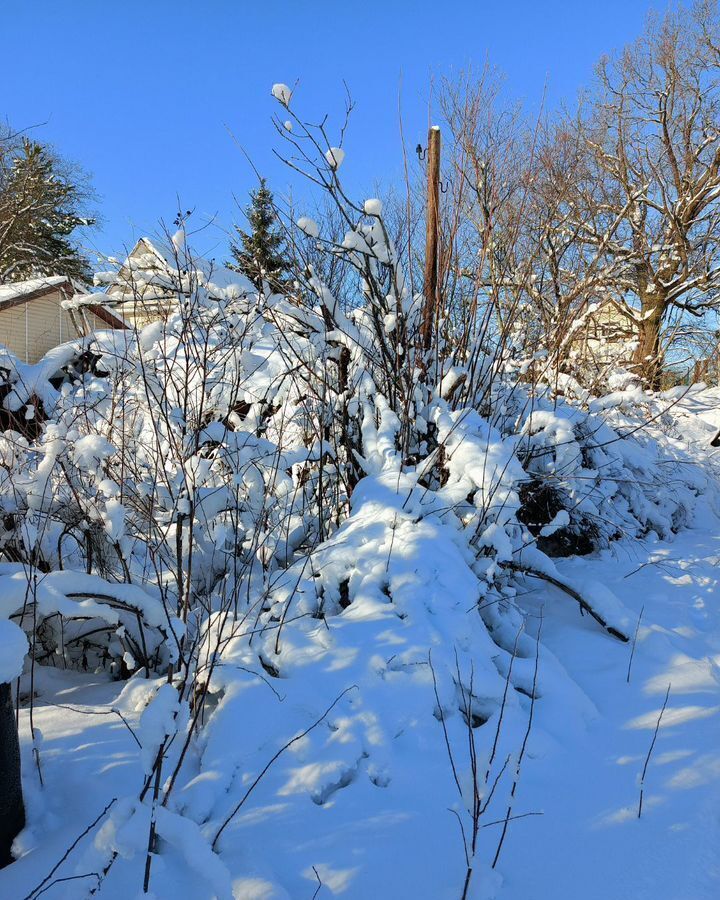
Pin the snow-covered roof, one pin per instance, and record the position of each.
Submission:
(20, 292)
(151, 268)
(18, 289)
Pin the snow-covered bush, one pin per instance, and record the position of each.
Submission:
(207, 453)
(292, 485)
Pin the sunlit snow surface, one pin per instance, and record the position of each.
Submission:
(362, 806)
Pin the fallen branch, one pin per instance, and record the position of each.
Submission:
(572, 592)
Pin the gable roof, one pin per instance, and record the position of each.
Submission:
(153, 272)
(18, 293)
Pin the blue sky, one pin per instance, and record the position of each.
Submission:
(145, 95)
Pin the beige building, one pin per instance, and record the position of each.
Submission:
(144, 287)
(34, 317)
(147, 285)
(606, 337)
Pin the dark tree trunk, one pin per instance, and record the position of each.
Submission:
(12, 809)
(648, 356)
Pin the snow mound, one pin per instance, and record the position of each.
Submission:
(308, 227)
(13, 647)
(282, 93)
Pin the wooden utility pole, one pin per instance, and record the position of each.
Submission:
(431, 236)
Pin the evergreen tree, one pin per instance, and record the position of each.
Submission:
(260, 255)
(40, 208)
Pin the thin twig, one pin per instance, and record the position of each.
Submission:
(320, 884)
(33, 893)
(634, 642)
(508, 815)
(444, 726)
(68, 878)
(652, 745)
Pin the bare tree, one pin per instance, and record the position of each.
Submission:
(650, 142)
(617, 203)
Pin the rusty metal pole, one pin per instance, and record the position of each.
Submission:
(431, 236)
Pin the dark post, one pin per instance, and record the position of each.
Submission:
(12, 810)
(431, 235)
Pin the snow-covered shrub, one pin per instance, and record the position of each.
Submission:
(217, 447)
(80, 621)
(590, 484)
(291, 485)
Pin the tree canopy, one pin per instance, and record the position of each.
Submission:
(42, 203)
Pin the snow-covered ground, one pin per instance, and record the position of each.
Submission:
(590, 842)
(365, 803)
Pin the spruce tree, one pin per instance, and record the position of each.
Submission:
(40, 208)
(260, 255)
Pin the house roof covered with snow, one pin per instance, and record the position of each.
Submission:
(18, 293)
(22, 291)
(154, 271)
